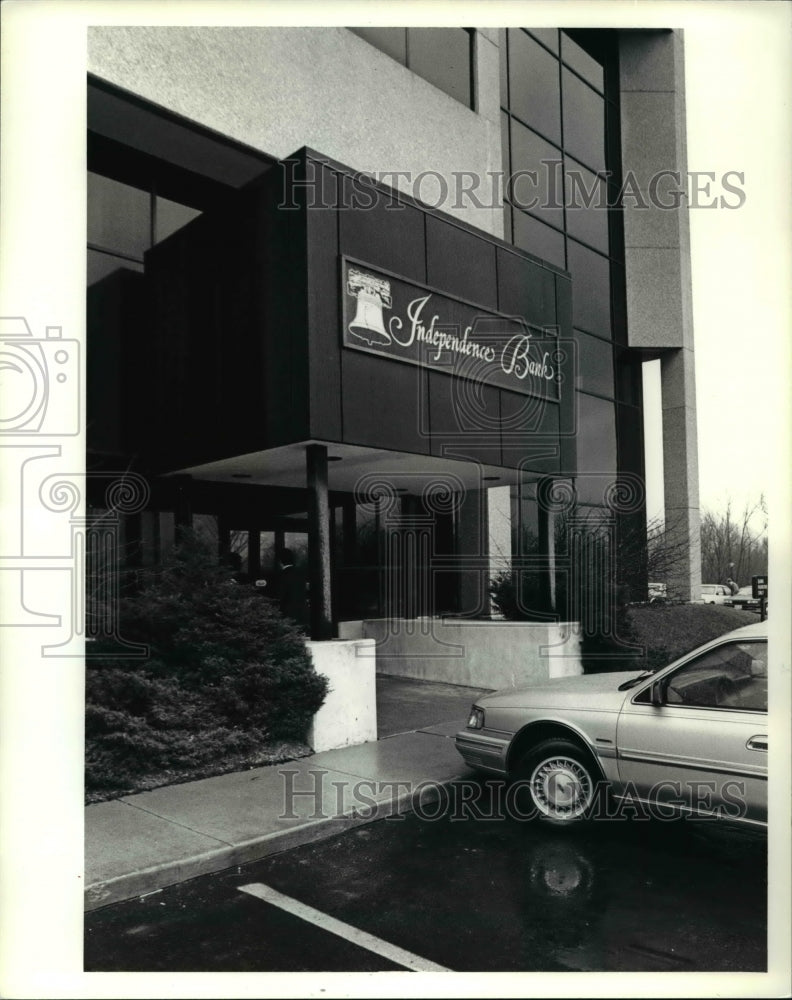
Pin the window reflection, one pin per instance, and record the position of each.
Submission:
(584, 121)
(536, 184)
(587, 66)
(595, 364)
(590, 289)
(119, 216)
(596, 447)
(101, 264)
(391, 41)
(533, 85)
(586, 199)
(547, 36)
(537, 238)
(441, 56)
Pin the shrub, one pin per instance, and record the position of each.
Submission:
(226, 672)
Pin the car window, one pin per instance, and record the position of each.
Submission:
(707, 590)
(731, 676)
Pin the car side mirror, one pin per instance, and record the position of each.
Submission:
(657, 694)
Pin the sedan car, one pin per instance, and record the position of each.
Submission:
(743, 600)
(690, 738)
(715, 593)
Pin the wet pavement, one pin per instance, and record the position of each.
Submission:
(464, 892)
(405, 704)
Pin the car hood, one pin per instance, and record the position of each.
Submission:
(599, 690)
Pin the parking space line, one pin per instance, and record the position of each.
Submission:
(327, 923)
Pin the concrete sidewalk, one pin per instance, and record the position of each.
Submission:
(150, 840)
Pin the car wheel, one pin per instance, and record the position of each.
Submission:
(560, 782)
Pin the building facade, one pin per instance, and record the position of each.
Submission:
(384, 295)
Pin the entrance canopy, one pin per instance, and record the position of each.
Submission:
(360, 471)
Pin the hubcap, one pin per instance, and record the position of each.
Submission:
(561, 788)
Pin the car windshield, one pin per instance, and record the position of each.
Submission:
(635, 680)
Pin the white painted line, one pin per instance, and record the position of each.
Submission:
(327, 923)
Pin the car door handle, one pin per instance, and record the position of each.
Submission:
(757, 743)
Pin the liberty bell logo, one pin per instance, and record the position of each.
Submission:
(372, 294)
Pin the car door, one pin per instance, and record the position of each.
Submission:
(696, 737)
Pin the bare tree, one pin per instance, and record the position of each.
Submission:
(731, 546)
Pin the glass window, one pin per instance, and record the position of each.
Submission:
(596, 447)
(508, 234)
(590, 289)
(732, 676)
(391, 41)
(442, 56)
(584, 122)
(101, 264)
(586, 200)
(505, 145)
(595, 364)
(533, 85)
(119, 216)
(170, 217)
(628, 379)
(537, 238)
(631, 438)
(547, 36)
(504, 68)
(577, 57)
(536, 176)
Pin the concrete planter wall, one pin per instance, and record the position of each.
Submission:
(349, 714)
(489, 654)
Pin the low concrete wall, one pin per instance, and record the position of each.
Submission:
(488, 654)
(349, 714)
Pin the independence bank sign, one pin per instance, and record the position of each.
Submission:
(387, 315)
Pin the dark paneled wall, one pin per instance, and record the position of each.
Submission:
(379, 402)
(239, 330)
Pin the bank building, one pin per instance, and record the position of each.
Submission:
(377, 296)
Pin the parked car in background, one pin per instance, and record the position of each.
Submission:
(743, 600)
(714, 593)
(689, 739)
(658, 592)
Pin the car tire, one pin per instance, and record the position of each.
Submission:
(558, 782)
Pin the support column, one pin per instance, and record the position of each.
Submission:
(223, 538)
(182, 506)
(472, 541)
(657, 265)
(254, 554)
(546, 532)
(319, 542)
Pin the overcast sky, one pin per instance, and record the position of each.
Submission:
(737, 70)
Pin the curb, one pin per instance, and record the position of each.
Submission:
(148, 880)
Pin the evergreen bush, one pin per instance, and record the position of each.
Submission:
(226, 673)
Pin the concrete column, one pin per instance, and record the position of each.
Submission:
(546, 524)
(319, 542)
(680, 460)
(472, 539)
(657, 260)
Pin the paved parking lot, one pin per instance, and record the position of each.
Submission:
(461, 892)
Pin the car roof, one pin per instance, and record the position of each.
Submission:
(758, 630)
